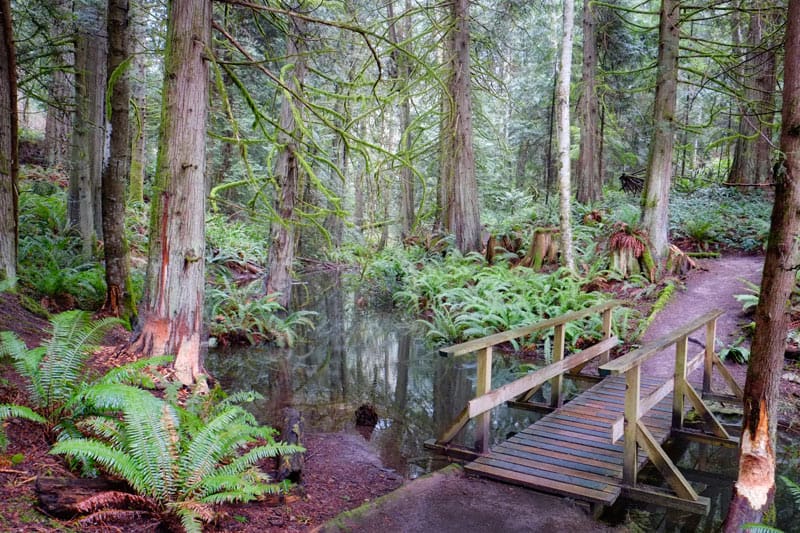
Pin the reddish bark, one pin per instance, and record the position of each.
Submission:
(755, 486)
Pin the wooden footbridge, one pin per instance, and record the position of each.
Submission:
(592, 447)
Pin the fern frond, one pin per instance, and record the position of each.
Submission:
(132, 373)
(16, 411)
(115, 461)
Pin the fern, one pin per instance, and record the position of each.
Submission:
(57, 371)
(184, 460)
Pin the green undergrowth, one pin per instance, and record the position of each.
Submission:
(462, 297)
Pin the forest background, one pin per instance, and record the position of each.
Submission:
(261, 138)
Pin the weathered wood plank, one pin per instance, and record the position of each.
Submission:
(505, 336)
(664, 464)
(603, 485)
(630, 457)
(511, 390)
(652, 495)
(584, 453)
(583, 457)
(547, 485)
(638, 356)
(651, 401)
(566, 464)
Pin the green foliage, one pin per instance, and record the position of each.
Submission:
(749, 300)
(721, 217)
(57, 370)
(463, 298)
(182, 460)
(235, 239)
(736, 352)
(244, 313)
(50, 257)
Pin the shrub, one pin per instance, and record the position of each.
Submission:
(244, 314)
(178, 461)
(57, 372)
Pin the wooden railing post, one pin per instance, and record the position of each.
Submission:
(679, 383)
(630, 452)
(556, 384)
(482, 386)
(711, 337)
(607, 314)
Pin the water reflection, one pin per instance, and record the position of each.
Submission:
(359, 356)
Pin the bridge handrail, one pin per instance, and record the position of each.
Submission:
(505, 336)
(642, 354)
(486, 399)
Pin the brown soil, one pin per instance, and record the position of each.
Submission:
(341, 470)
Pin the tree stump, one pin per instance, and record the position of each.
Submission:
(544, 247)
(291, 466)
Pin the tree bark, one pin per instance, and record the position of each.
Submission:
(60, 93)
(119, 301)
(755, 487)
(407, 206)
(9, 163)
(287, 173)
(589, 177)
(88, 135)
(172, 308)
(655, 197)
(138, 84)
(752, 156)
(562, 97)
(458, 187)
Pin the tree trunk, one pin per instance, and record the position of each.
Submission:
(60, 93)
(88, 135)
(755, 487)
(589, 178)
(139, 99)
(458, 185)
(407, 207)
(287, 172)
(562, 96)
(752, 156)
(119, 300)
(172, 308)
(9, 163)
(655, 197)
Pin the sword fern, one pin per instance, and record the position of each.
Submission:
(183, 462)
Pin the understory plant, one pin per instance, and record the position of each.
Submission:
(462, 298)
(245, 315)
(57, 372)
(179, 461)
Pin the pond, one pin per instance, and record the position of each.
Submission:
(360, 355)
(357, 355)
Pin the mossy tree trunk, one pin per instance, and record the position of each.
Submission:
(119, 301)
(172, 308)
(9, 229)
(755, 487)
(138, 83)
(655, 197)
(458, 187)
(287, 172)
(752, 156)
(88, 133)
(590, 187)
(58, 123)
(562, 112)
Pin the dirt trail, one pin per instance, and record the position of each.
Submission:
(711, 286)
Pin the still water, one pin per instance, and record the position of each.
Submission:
(359, 355)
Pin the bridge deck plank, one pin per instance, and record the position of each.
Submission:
(569, 451)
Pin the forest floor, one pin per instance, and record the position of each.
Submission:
(341, 471)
